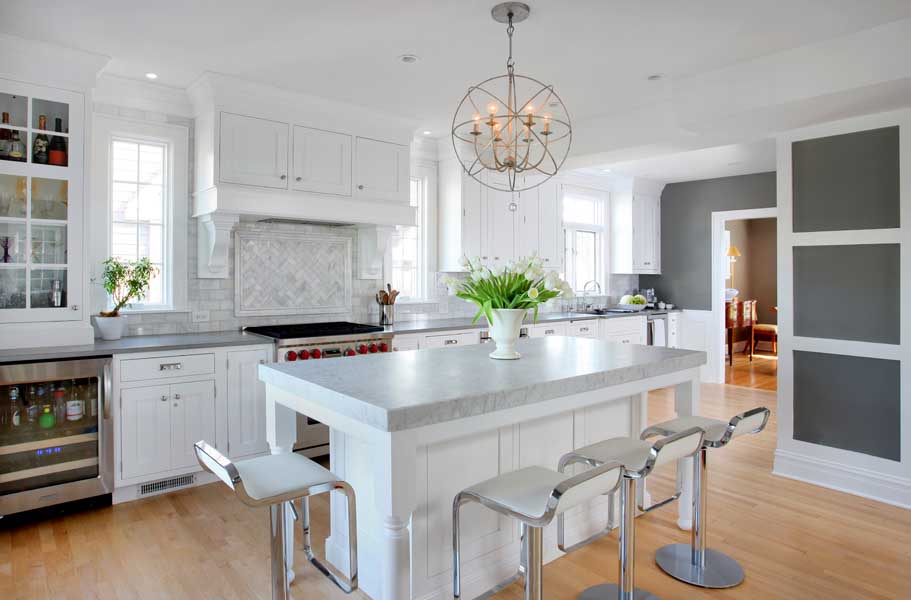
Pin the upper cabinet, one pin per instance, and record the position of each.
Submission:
(635, 234)
(41, 218)
(382, 171)
(253, 151)
(322, 161)
(497, 226)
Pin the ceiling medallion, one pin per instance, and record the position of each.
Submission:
(511, 132)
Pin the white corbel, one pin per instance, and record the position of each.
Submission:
(214, 238)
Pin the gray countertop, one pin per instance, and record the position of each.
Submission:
(431, 325)
(139, 343)
(404, 390)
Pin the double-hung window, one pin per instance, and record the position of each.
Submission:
(583, 224)
(409, 249)
(140, 174)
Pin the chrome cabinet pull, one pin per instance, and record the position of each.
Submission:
(548, 332)
(450, 342)
(170, 366)
(177, 396)
(583, 329)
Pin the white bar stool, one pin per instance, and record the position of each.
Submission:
(694, 563)
(638, 458)
(278, 480)
(533, 496)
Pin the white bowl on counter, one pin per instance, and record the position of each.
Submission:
(632, 307)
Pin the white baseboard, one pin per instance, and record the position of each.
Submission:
(844, 478)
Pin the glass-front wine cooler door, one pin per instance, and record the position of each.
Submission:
(49, 426)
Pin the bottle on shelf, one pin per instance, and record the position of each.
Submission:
(75, 407)
(41, 143)
(59, 400)
(57, 154)
(5, 136)
(16, 148)
(12, 416)
(47, 420)
(38, 398)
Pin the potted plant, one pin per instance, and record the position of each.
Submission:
(124, 281)
(504, 294)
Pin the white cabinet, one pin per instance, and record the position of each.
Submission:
(401, 343)
(635, 234)
(624, 330)
(461, 204)
(160, 423)
(321, 161)
(192, 419)
(499, 243)
(548, 329)
(253, 151)
(145, 430)
(382, 171)
(453, 339)
(673, 329)
(550, 225)
(586, 329)
(246, 403)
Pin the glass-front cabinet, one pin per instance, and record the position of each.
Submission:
(41, 181)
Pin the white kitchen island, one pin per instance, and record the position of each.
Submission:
(411, 429)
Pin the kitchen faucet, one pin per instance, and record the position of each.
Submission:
(585, 292)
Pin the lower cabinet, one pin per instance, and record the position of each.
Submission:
(159, 423)
(246, 403)
(625, 330)
(549, 329)
(586, 329)
(450, 340)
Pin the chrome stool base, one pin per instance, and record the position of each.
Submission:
(720, 570)
(611, 591)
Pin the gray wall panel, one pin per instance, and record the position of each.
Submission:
(848, 181)
(848, 402)
(686, 233)
(847, 292)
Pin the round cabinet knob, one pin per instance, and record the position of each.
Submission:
(298, 179)
(291, 355)
(360, 187)
(362, 349)
(303, 354)
(164, 398)
(177, 396)
(316, 353)
(373, 348)
(284, 177)
(74, 307)
(384, 347)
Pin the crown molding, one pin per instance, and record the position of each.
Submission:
(142, 95)
(49, 64)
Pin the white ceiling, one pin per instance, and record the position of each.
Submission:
(709, 163)
(598, 53)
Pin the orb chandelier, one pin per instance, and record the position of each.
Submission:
(511, 132)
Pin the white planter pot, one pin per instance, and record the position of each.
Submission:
(505, 332)
(111, 328)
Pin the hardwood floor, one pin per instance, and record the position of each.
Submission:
(761, 373)
(793, 539)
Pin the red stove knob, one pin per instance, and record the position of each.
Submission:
(317, 353)
(373, 348)
(304, 354)
(384, 347)
(350, 352)
(362, 349)
(291, 355)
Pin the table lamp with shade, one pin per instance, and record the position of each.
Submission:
(733, 253)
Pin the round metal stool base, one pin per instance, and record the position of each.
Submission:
(611, 591)
(720, 571)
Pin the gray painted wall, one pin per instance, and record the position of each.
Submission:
(763, 260)
(686, 233)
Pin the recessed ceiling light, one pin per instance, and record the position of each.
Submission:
(409, 59)
(656, 77)
(427, 132)
(607, 170)
(152, 76)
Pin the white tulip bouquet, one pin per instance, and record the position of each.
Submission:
(520, 284)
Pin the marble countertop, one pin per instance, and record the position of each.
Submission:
(431, 325)
(404, 390)
(139, 343)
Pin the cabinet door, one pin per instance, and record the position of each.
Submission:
(145, 430)
(501, 228)
(472, 215)
(253, 151)
(528, 218)
(646, 221)
(550, 222)
(382, 171)
(547, 330)
(246, 403)
(322, 161)
(192, 419)
(451, 340)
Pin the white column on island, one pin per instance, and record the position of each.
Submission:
(395, 499)
(686, 403)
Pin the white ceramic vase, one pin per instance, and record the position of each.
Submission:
(111, 328)
(505, 332)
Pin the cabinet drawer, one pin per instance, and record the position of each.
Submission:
(165, 367)
(452, 340)
(583, 329)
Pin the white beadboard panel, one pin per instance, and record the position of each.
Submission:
(291, 273)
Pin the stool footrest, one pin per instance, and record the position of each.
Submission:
(661, 503)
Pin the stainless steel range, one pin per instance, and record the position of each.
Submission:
(318, 341)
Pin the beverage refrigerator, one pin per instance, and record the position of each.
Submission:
(55, 432)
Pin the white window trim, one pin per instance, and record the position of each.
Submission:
(427, 171)
(601, 229)
(176, 205)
